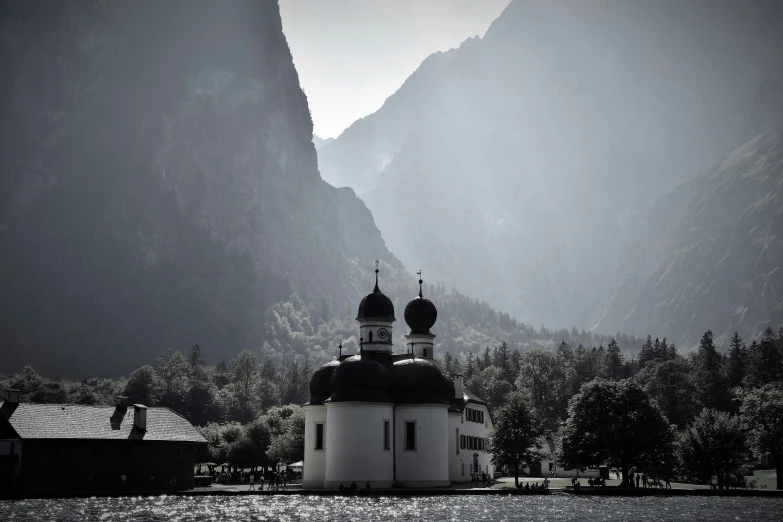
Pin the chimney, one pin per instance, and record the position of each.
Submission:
(12, 396)
(140, 417)
(121, 402)
(459, 388)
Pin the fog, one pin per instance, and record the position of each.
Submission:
(545, 167)
(581, 171)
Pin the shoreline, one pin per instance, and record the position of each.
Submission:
(402, 492)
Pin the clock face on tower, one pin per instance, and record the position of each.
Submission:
(383, 333)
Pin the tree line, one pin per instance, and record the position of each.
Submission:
(248, 410)
(705, 417)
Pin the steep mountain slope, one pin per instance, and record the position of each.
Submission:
(513, 166)
(716, 243)
(320, 142)
(160, 184)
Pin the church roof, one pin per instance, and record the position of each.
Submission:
(78, 421)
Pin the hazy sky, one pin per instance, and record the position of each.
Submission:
(353, 54)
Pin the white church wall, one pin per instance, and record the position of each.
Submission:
(355, 449)
(472, 454)
(427, 465)
(456, 473)
(314, 470)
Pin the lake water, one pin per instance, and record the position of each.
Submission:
(441, 508)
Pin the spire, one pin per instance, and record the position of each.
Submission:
(377, 290)
(340, 347)
(420, 282)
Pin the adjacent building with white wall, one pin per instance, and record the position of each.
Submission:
(392, 419)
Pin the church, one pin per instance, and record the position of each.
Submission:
(393, 420)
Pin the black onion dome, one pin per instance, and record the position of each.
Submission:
(421, 314)
(361, 378)
(376, 305)
(321, 382)
(419, 380)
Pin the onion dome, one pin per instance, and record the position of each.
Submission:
(376, 305)
(420, 314)
(321, 382)
(417, 380)
(361, 378)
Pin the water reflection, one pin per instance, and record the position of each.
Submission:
(441, 508)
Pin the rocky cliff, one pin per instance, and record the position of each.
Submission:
(709, 255)
(159, 185)
(514, 166)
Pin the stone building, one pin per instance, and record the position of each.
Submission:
(70, 449)
(392, 419)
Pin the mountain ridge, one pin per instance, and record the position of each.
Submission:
(526, 153)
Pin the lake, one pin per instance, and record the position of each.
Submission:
(443, 508)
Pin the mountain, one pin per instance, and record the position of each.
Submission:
(160, 185)
(320, 142)
(716, 246)
(515, 166)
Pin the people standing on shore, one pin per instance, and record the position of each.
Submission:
(252, 480)
(644, 480)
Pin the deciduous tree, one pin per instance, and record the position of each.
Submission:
(713, 446)
(614, 423)
(762, 416)
(516, 435)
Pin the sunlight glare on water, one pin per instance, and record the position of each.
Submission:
(466, 508)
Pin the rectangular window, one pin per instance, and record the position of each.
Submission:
(410, 435)
(319, 436)
(463, 467)
(457, 441)
(470, 443)
(386, 435)
(462, 441)
(550, 466)
(481, 417)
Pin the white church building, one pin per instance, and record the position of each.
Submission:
(392, 419)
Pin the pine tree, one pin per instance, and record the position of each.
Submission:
(766, 363)
(614, 361)
(712, 383)
(647, 353)
(469, 366)
(487, 359)
(503, 357)
(448, 362)
(735, 367)
(195, 358)
(564, 351)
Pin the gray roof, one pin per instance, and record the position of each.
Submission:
(472, 397)
(76, 421)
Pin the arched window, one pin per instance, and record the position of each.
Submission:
(424, 352)
(370, 340)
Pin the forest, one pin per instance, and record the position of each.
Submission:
(249, 407)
